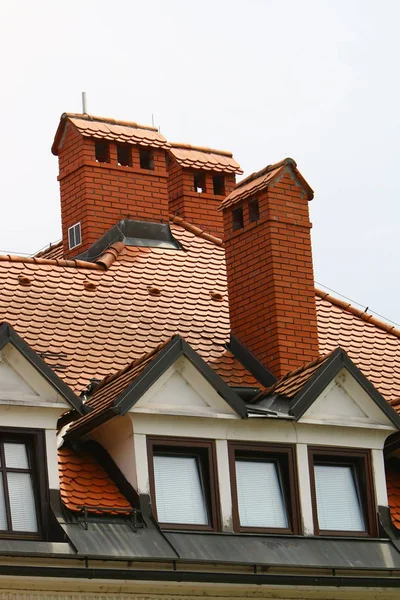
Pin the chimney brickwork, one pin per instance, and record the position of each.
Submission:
(270, 274)
(199, 208)
(99, 194)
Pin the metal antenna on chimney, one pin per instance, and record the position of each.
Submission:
(84, 103)
(152, 119)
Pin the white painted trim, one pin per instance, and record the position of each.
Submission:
(304, 489)
(52, 462)
(378, 470)
(142, 466)
(224, 484)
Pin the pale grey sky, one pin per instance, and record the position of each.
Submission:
(316, 80)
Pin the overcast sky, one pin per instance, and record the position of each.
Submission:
(316, 80)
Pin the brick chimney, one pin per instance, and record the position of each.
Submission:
(108, 170)
(269, 267)
(198, 180)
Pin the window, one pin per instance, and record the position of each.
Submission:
(183, 483)
(237, 218)
(264, 488)
(199, 182)
(342, 491)
(254, 210)
(219, 185)
(146, 159)
(102, 151)
(124, 155)
(74, 236)
(22, 490)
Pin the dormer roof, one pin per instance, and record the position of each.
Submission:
(197, 157)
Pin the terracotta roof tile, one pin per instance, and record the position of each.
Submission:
(393, 489)
(84, 482)
(293, 382)
(52, 251)
(110, 129)
(260, 180)
(94, 333)
(373, 345)
(204, 158)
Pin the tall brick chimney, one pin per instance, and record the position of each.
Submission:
(269, 267)
(198, 180)
(108, 170)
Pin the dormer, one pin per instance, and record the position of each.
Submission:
(108, 170)
(32, 398)
(198, 180)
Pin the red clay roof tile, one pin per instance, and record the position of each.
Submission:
(204, 158)
(84, 482)
(393, 489)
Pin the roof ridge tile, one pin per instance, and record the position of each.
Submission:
(197, 231)
(201, 149)
(59, 262)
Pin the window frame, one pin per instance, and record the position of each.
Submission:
(282, 453)
(34, 441)
(72, 230)
(205, 451)
(360, 460)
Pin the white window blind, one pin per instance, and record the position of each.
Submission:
(16, 456)
(179, 491)
(3, 515)
(338, 504)
(260, 498)
(22, 502)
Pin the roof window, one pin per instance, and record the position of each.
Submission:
(20, 484)
(219, 185)
(263, 488)
(146, 159)
(199, 182)
(102, 151)
(183, 483)
(342, 492)
(124, 154)
(74, 236)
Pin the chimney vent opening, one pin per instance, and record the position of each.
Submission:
(254, 210)
(219, 185)
(74, 236)
(146, 159)
(199, 183)
(237, 218)
(102, 151)
(124, 155)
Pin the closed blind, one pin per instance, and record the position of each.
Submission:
(16, 456)
(22, 502)
(338, 504)
(179, 492)
(260, 498)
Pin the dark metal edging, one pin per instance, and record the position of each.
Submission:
(9, 335)
(196, 577)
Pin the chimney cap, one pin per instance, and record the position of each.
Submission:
(258, 181)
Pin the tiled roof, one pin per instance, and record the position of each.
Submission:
(204, 158)
(393, 489)
(110, 129)
(258, 181)
(374, 346)
(84, 483)
(91, 321)
(294, 381)
(112, 385)
(52, 251)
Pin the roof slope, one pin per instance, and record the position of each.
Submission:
(374, 346)
(84, 483)
(92, 322)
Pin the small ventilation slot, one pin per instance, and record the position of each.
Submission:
(74, 236)
(124, 155)
(146, 159)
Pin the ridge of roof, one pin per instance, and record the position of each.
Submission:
(197, 231)
(201, 149)
(358, 312)
(293, 374)
(107, 120)
(282, 163)
(60, 262)
(52, 247)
